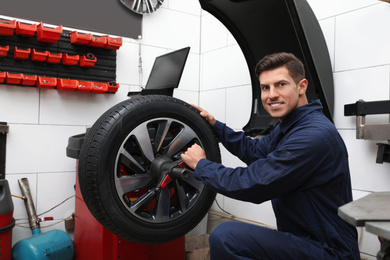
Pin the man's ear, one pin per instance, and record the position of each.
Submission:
(302, 85)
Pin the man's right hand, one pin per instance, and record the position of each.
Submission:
(193, 155)
(209, 117)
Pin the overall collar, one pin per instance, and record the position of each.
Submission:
(299, 113)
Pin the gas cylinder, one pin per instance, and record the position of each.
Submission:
(53, 245)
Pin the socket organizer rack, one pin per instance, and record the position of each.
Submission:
(53, 58)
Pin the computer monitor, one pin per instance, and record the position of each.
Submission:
(166, 72)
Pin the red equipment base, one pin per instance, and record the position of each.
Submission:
(93, 241)
(7, 221)
(6, 225)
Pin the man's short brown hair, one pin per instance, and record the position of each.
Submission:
(272, 61)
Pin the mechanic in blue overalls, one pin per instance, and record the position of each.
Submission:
(302, 166)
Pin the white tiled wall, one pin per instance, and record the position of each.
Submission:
(356, 33)
(216, 77)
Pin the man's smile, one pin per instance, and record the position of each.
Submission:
(275, 105)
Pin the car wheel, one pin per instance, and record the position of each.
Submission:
(130, 171)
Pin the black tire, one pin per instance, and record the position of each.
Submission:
(117, 169)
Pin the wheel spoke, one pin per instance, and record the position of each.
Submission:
(192, 181)
(185, 136)
(143, 138)
(143, 202)
(128, 160)
(162, 131)
(132, 183)
(163, 203)
(183, 202)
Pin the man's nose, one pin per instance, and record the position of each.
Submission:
(273, 93)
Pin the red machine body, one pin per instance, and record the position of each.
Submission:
(7, 221)
(93, 241)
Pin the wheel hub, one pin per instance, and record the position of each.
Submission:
(157, 169)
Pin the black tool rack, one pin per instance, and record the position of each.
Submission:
(104, 70)
(362, 108)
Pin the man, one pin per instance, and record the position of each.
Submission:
(302, 166)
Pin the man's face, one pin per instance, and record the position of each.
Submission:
(280, 95)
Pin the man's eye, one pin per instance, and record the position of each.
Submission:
(264, 87)
(282, 84)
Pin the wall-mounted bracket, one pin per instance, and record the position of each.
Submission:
(371, 132)
(374, 131)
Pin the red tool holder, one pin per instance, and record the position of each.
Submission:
(26, 30)
(13, 78)
(67, 84)
(2, 76)
(87, 62)
(60, 84)
(46, 82)
(31, 60)
(49, 35)
(29, 80)
(85, 86)
(7, 27)
(70, 60)
(54, 57)
(99, 88)
(98, 41)
(39, 56)
(4, 51)
(21, 54)
(77, 38)
(113, 43)
(113, 87)
(106, 41)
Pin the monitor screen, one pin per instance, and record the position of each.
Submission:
(167, 70)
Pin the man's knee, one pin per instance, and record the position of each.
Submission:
(227, 239)
(232, 240)
(220, 239)
(218, 234)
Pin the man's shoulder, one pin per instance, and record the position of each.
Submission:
(316, 119)
(314, 126)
